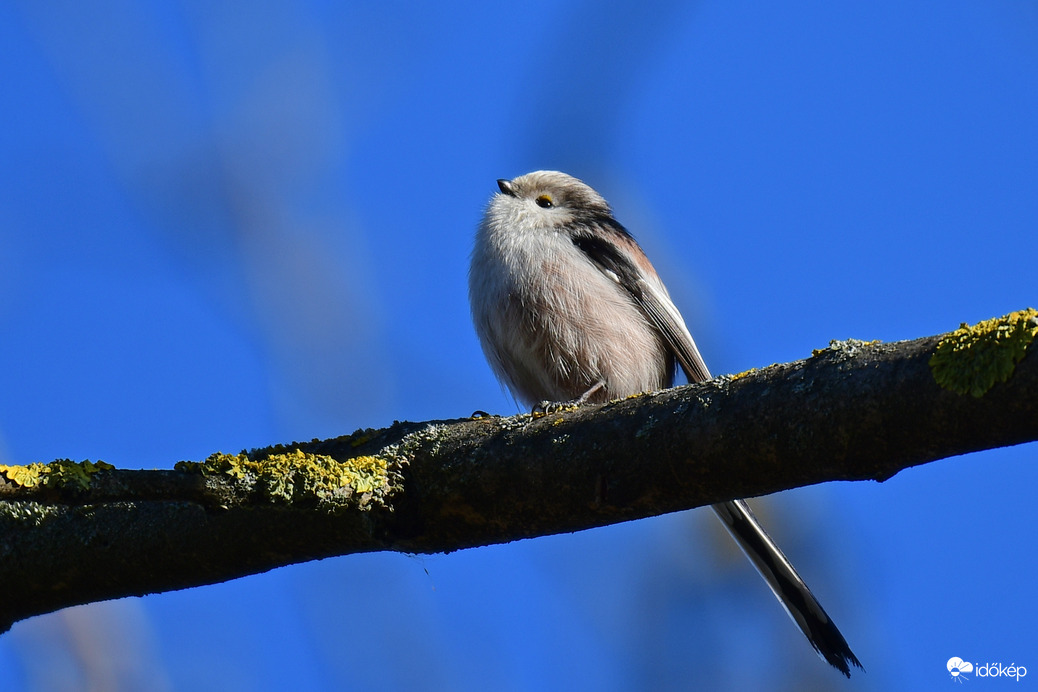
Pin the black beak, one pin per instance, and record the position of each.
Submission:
(506, 187)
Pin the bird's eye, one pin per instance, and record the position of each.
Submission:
(544, 202)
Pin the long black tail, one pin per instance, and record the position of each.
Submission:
(787, 585)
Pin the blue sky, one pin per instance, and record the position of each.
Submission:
(225, 225)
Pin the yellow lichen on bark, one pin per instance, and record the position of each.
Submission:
(973, 359)
(296, 475)
(63, 473)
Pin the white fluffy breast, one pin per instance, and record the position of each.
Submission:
(551, 323)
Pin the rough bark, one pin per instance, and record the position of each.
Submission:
(854, 411)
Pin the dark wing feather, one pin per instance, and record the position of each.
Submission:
(648, 294)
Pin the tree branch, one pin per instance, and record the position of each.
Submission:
(76, 533)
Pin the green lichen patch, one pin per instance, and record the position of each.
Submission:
(297, 477)
(61, 473)
(971, 360)
(361, 436)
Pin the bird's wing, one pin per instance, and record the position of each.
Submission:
(648, 293)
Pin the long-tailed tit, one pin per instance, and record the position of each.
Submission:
(568, 308)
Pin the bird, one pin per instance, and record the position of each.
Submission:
(569, 310)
